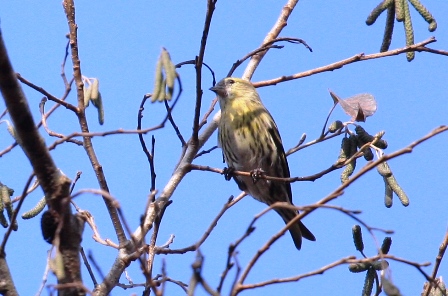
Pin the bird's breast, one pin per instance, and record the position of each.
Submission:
(239, 138)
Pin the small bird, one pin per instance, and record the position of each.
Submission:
(250, 142)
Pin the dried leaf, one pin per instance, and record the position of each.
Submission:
(359, 107)
(335, 98)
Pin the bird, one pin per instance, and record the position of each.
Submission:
(250, 142)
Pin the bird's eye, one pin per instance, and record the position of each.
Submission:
(231, 81)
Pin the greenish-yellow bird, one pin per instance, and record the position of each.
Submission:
(250, 141)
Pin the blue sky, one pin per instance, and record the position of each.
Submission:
(119, 43)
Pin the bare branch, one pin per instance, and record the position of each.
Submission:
(205, 151)
(6, 284)
(356, 58)
(431, 50)
(197, 277)
(240, 287)
(206, 234)
(95, 264)
(47, 94)
(89, 269)
(347, 260)
(55, 186)
(266, 47)
(149, 156)
(249, 55)
(67, 91)
(198, 65)
(50, 132)
(273, 33)
(173, 124)
(207, 114)
(46, 272)
(69, 8)
(438, 260)
(64, 61)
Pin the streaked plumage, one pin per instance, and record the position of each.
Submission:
(250, 140)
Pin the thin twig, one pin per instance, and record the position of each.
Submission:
(337, 65)
(206, 151)
(165, 278)
(95, 264)
(322, 134)
(77, 177)
(192, 62)
(89, 269)
(333, 167)
(437, 262)
(173, 124)
(207, 114)
(15, 214)
(47, 270)
(70, 12)
(140, 132)
(50, 132)
(206, 234)
(264, 48)
(198, 66)
(197, 277)
(249, 55)
(52, 109)
(313, 142)
(232, 254)
(47, 94)
(431, 50)
(346, 260)
(64, 77)
(239, 287)
(153, 167)
(3, 113)
(149, 156)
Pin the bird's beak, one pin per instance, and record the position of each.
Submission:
(218, 89)
(214, 88)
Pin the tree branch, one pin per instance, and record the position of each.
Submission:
(356, 58)
(198, 66)
(273, 33)
(439, 258)
(69, 8)
(55, 186)
(6, 284)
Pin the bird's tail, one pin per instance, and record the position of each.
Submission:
(298, 230)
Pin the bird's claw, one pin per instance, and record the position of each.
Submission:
(228, 173)
(256, 174)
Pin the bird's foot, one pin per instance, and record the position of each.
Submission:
(256, 174)
(228, 173)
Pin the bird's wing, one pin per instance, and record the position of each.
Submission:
(282, 162)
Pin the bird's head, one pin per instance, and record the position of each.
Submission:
(231, 88)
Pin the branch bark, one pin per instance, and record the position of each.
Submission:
(7, 287)
(272, 34)
(55, 186)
